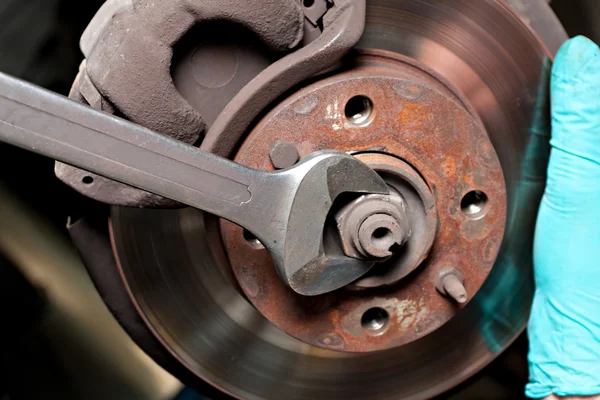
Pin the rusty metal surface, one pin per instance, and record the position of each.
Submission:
(415, 118)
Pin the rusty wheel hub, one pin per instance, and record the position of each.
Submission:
(424, 139)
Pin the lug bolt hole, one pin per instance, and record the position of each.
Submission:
(474, 204)
(88, 180)
(308, 3)
(359, 110)
(375, 321)
(252, 240)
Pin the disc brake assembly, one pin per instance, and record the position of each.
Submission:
(363, 180)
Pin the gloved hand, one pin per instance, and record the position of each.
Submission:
(564, 327)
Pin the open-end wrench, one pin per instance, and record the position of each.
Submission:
(286, 210)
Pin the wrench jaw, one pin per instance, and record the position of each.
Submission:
(312, 260)
(327, 273)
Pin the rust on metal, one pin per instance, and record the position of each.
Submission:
(419, 120)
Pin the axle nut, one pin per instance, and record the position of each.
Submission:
(371, 225)
(379, 233)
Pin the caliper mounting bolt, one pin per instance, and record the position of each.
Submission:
(452, 284)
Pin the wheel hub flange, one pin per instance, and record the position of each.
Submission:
(395, 115)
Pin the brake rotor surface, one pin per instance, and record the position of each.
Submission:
(180, 279)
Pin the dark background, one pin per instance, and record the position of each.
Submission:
(39, 43)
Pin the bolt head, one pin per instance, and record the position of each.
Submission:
(284, 155)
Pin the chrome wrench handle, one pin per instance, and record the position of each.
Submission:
(54, 126)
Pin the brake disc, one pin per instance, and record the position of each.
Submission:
(194, 281)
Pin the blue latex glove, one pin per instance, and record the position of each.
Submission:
(564, 327)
